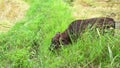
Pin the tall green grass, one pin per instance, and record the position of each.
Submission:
(26, 44)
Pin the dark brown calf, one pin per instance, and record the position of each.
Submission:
(77, 27)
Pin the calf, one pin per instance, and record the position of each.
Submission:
(77, 27)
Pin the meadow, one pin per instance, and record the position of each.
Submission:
(25, 45)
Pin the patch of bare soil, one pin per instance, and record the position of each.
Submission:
(10, 12)
(96, 8)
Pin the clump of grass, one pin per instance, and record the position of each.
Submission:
(30, 33)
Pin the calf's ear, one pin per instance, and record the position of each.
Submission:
(58, 33)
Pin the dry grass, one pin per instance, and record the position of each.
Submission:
(11, 11)
(96, 8)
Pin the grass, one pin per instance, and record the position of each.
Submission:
(26, 44)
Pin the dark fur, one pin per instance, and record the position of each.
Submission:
(77, 27)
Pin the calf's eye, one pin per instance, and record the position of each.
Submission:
(62, 40)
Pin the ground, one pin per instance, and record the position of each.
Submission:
(10, 12)
(91, 8)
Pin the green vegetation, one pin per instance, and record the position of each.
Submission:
(26, 44)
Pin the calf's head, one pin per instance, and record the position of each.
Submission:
(55, 42)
